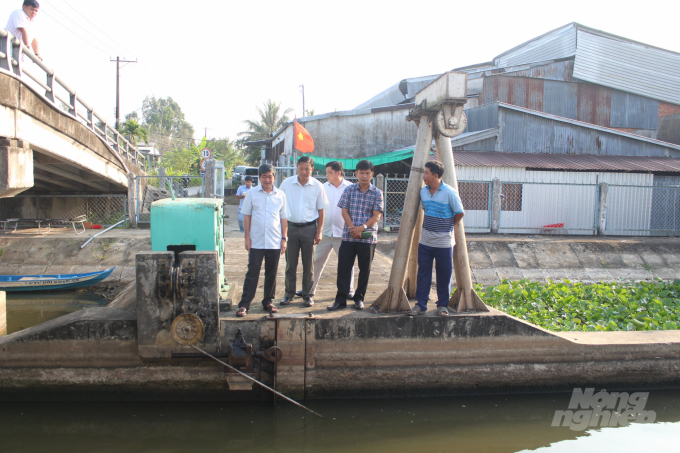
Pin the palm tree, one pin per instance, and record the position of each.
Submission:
(268, 123)
(134, 131)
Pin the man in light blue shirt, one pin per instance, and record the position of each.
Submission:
(443, 210)
(241, 194)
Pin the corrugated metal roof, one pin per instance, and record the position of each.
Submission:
(398, 93)
(628, 66)
(599, 57)
(579, 162)
(558, 43)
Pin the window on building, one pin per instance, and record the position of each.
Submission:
(474, 195)
(512, 197)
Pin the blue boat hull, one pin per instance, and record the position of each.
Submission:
(51, 282)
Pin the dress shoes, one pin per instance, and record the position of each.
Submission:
(359, 304)
(286, 300)
(298, 293)
(309, 302)
(336, 306)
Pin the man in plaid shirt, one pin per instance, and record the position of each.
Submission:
(362, 206)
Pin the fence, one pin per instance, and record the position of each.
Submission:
(395, 196)
(533, 208)
(552, 208)
(643, 211)
(103, 210)
(152, 188)
(59, 94)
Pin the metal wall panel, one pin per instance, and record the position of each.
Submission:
(628, 66)
(488, 144)
(560, 98)
(526, 133)
(666, 180)
(560, 43)
(481, 118)
(634, 111)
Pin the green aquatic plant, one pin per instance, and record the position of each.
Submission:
(564, 306)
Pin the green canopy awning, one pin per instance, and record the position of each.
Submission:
(378, 159)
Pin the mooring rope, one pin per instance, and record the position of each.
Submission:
(257, 382)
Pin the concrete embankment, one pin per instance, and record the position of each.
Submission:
(576, 258)
(60, 253)
(492, 257)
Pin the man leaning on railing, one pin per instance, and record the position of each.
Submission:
(21, 23)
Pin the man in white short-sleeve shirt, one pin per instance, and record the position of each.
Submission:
(21, 25)
(265, 212)
(306, 201)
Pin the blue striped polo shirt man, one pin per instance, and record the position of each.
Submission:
(443, 209)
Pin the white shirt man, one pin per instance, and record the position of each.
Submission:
(265, 212)
(306, 202)
(21, 24)
(333, 224)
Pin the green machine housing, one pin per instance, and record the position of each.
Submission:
(189, 224)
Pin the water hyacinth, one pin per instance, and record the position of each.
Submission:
(565, 306)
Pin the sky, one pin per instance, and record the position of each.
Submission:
(221, 59)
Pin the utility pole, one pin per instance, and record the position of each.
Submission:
(303, 100)
(118, 62)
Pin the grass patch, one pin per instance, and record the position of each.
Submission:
(566, 306)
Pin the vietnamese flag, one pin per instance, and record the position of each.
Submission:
(303, 141)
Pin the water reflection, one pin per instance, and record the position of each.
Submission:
(27, 309)
(464, 424)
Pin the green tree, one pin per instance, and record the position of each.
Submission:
(271, 119)
(134, 132)
(166, 123)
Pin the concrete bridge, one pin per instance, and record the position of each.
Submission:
(51, 140)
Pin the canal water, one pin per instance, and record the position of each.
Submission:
(479, 424)
(27, 309)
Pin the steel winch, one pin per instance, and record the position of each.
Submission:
(178, 307)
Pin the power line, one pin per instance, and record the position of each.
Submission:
(84, 29)
(119, 45)
(137, 80)
(100, 30)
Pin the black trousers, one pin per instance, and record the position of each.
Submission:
(271, 264)
(349, 251)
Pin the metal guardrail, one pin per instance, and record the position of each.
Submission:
(12, 51)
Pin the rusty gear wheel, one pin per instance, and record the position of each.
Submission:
(187, 329)
(447, 130)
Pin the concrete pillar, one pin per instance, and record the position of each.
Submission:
(380, 184)
(209, 178)
(162, 182)
(132, 200)
(602, 209)
(495, 205)
(3, 313)
(16, 167)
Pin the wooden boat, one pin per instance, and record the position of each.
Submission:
(51, 282)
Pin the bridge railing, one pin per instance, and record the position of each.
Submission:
(57, 92)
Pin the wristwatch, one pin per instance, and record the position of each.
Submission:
(365, 227)
(284, 239)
